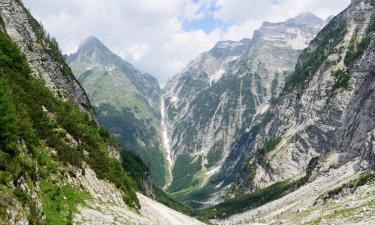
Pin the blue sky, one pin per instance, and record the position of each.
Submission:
(207, 22)
(161, 37)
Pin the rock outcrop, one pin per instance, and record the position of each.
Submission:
(222, 95)
(327, 105)
(56, 165)
(42, 53)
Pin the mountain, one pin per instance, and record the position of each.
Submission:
(126, 100)
(322, 99)
(322, 110)
(57, 165)
(303, 135)
(45, 60)
(312, 161)
(220, 98)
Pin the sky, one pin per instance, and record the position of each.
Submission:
(161, 37)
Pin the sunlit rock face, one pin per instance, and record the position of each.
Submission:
(326, 111)
(221, 96)
(46, 63)
(324, 128)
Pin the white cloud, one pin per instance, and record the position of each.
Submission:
(276, 10)
(150, 33)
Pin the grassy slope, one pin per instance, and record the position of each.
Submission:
(28, 131)
(126, 113)
(244, 202)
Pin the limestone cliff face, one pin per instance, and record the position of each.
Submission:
(42, 53)
(327, 107)
(56, 165)
(222, 95)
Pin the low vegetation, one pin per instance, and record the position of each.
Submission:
(183, 172)
(351, 186)
(31, 119)
(169, 201)
(342, 79)
(244, 202)
(60, 203)
(137, 135)
(269, 146)
(356, 49)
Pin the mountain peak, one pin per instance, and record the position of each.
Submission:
(92, 44)
(307, 18)
(94, 49)
(90, 39)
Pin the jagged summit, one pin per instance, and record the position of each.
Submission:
(95, 50)
(220, 95)
(124, 98)
(323, 123)
(306, 18)
(93, 43)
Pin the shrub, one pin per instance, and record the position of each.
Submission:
(355, 50)
(245, 202)
(269, 146)
(351, 186)
(371, 26)
(59, 203)
(342, 80)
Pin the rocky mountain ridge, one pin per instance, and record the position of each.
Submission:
(318, 142)
(296, 144)
(42, 53)
(127, 101)
(57, 166)
(222, 95)
(318, 113)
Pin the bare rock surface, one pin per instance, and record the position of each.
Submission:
(220, 98)
(46, 65)
(107, 206)
(317, 118)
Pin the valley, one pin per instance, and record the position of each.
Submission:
(278, 128)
